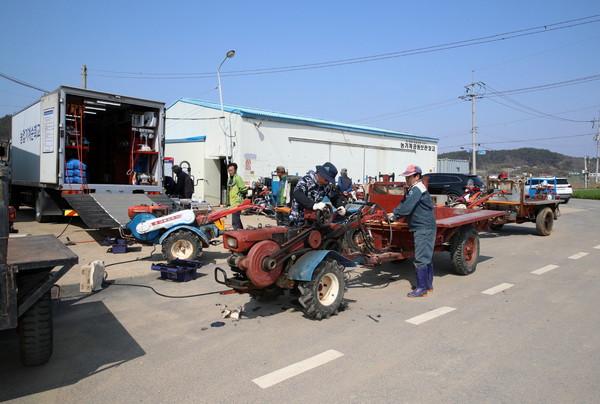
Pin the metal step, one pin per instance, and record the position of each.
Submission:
(104, 211)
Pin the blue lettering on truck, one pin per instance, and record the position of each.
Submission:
(29, 134)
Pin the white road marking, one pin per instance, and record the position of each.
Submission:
(544, 269)
(499, 288)
(420, 319)
(297, 368)
(578, 255)
(597, 247)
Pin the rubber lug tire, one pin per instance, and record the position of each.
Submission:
(322, 296)
(464, 251)
(189, 239)
(544, 221)
(36, 336)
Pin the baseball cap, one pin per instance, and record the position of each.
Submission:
(327, 171)
(412, 170)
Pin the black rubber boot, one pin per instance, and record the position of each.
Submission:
(422, 281)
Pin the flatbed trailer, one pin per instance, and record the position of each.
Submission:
(519, 209)
(26, 280)
(457, 232)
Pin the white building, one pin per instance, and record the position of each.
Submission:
(200, 134)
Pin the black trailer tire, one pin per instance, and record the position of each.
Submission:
(39, 203)
(544, 221)
(497, 227)
(36, 331)
(464, 251)
(183, 245)
(321, 297)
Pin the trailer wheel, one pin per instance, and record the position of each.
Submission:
(39, 204)
(183, 245)
(544, 221)
(497, 227)
(35, 328)
(321, 297)
(464, 251)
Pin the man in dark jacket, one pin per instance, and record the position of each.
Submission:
(310, 192)
(184, 188)
(420, 217)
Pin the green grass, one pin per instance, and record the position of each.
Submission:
(586, 194)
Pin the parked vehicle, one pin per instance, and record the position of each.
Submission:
(563, 188)
(452, 185)
(310, 260)
(87, 151)
(182, 234)
(26, 278)
(542, 209)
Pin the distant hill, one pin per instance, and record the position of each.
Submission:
(5, 124)
(517, 161)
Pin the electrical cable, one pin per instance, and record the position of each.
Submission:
(150, 287)
(162, 294)
(68, 223)
(364, 59)
(137, 259)
(22, 83)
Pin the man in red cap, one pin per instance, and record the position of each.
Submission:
(418, 210)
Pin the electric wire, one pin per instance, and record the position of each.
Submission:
(364, 59)
(23, 83)
(162, 294)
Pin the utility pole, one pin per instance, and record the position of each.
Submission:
(597, 139)
(83, 76)
(585, 172)
(472, 96)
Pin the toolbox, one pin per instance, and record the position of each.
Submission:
(178, 270)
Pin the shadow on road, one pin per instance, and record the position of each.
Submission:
(88, 339)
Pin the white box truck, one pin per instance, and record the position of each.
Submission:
(84, 152)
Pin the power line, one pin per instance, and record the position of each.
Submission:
(520, 140)
(21, 82)
(429, 49)
(524, 108)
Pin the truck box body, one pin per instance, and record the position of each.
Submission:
(82, 142)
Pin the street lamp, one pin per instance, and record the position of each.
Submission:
(229, 55)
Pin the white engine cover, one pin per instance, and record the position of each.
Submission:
(181, 217)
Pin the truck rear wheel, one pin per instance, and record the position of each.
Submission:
(464, 251)
(321, 297)
(544, 221)
(39, 208)
(35, 328)
(183, 245)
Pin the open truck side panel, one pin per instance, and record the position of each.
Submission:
(76, 144)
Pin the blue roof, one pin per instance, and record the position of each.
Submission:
(187, 139)
(301, 120)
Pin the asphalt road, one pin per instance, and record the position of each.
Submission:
(523, 328)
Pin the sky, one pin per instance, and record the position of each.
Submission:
(394, 65)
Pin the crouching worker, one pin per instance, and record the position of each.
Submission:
(310, 192)
(420, 217)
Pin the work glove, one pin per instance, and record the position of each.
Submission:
(390, 217)
(341, 211)
(319, 206)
